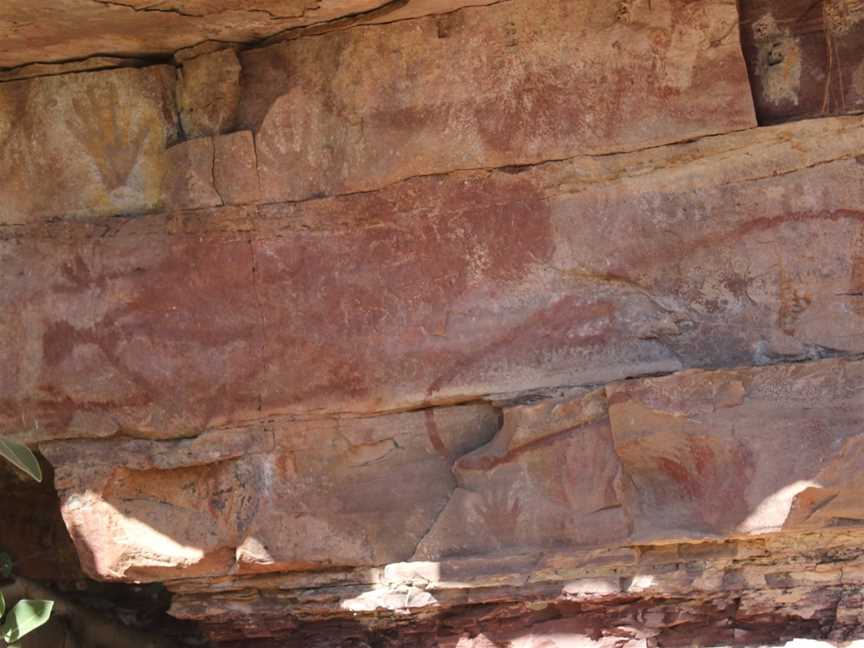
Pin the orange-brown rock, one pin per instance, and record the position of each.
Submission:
(512, 83)
(398, 298)
(441, 323)
(58, 30)
(209, 93)
(703, 457)
(546, 479)
(274, 497)
(85, 145)
(679, 486)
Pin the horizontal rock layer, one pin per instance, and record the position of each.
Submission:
(512, 83)
(578, 490)
(398, 299)
(759, 592)
(532, 84)
(58, 30)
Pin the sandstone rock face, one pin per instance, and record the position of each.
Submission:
(694, 456)
(512, 83)
(397, 299)
(47, 30)
(84, 145)
(66, 30)
(277, 497)
(209, 93)
(445, 323)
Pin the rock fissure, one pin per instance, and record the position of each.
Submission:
(150, 8)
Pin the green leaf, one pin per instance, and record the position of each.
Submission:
(2, 605)
(5, 566)
(20, 456)
(24, 618)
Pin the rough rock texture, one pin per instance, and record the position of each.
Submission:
(52, 30)
(709, 460)
(451, 324)
(46, 31)
(512, 83)
(84, 145)
(397, 299)
(208, 93)
(274, 497)
(806, 58)
(760, 591)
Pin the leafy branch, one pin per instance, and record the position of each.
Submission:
(28, 614)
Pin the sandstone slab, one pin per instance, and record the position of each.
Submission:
(274, 497)
(48, 30)
(742, 593)
(235, 169)
(189, 181)
(208, 93)
(211, 172)
(747, 451)
(401, 298)
(546, 479)
(694, 456)
(510, 83)
(84, 145)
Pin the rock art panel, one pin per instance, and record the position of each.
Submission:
(805, 58)
(546, 479)
(104, 321)
(276, 497)
(84, 145)
(401, 298)
(510, 83)
(744, 451)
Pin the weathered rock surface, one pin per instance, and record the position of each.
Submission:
(806, 58)
(512, 83)
(714, 454)
(64, 30)
(565, 499)
(398, 298)
(52, 30)
(547, 479)
(758, 592)
(209, 93)
(446, 323)
(280, 496)
(84, 145)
